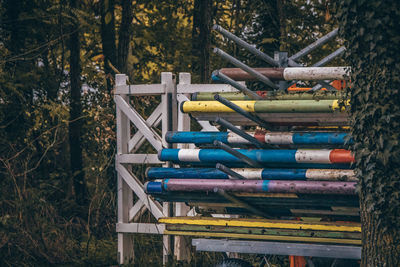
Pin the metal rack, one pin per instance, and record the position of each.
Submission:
(171, 118)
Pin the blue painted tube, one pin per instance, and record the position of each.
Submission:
(320, 138)
(279, 156)
(196, 137)
(268, 165)
(203, 173)
(210, 173)
(153, 187)
(257, 186)
(278, 138)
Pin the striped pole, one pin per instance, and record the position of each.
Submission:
(292, 73)
(267, 95)
(273, 199)
(273, 138)
(253, 173)
(266, 106)
(278, 156)
(277, 211)
(257, 186)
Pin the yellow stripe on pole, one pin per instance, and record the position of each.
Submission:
(348, 227)
(215, 106)
(336, 106)
(267, 237)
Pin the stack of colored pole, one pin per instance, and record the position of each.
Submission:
(308, 182)
(300, 174)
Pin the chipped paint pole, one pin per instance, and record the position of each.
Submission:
(274, 138)
(255, 186)
(293, 73)
(253, 173)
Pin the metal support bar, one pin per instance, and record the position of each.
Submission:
(239, 132)
(278, 248)
(242, 112)
(282, 58)
(330, 57)
(308, 49)
(241, 203)
(244, 67)
(235, 84)
(232, 174)
(237, 154)
(324, 61)
(326, 85)
(321, 85)
(245, 45)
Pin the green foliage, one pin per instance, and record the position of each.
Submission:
(372, 30)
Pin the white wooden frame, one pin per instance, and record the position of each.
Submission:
(170, 117)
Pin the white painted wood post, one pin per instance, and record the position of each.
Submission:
(125, 196)
(167, 123)
(182, 244)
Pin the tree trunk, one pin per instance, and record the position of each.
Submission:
(201, 38)
(380, 247)
(108, 38)
(75, 112)
(124, 38)
(371, 30)
(280, 5)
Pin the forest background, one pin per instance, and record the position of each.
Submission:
(58, 59)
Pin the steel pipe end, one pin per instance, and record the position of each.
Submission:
(159, 154)
(181, 106)
(216, 143)
(217, 120)
(146, 172)
(216, 50)
(153, 187)
(169, 136)
(145, 186)
(216, 27)
(215, 75)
